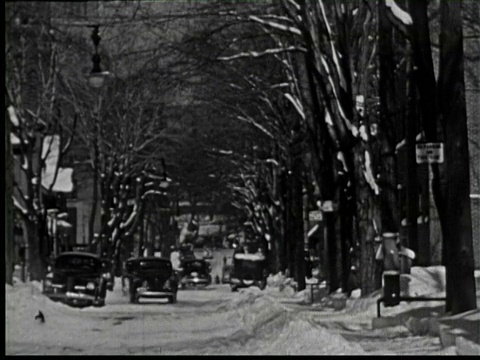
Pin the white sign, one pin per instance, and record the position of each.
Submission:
(315, 215)
(429, 153)
(329, 206)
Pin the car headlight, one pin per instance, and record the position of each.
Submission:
(168, 284)
(107, 276)
(48, 283)
(91, 286)
(145, 284)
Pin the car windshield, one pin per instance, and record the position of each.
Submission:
(195, 265)
(149, 265)
(77, 263)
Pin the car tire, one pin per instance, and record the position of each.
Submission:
(133, 297)
(234, 288)
(103, 290)
(262, 284)
(172, 299)
(99, 303)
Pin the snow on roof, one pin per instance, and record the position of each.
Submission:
(253, 257)
(13, 116)
(14, 140)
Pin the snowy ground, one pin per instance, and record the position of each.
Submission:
(216, 321)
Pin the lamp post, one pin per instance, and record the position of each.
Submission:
(96, 78)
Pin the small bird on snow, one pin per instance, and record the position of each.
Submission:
(40, 317)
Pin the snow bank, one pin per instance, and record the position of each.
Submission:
(301, 337)
(275, 330)
(423, 281)
(280, 283)
(22, 303)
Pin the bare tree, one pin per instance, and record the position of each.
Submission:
(34, 97)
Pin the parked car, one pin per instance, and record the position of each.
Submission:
(108, 273)
(150, 277)
(195, 272)
(76, 278)
(248, 270)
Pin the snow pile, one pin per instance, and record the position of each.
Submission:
(423, 281)
(261, 314)
(301, 337)
(280, 283)
(22, 304)
(274, 330)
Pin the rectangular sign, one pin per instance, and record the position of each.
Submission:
(315, 215)
(430, 153)
(329, 206)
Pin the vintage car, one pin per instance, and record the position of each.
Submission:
(195, 272)
(248, 270)
(76, 278)
(150, 277)
(108, 273)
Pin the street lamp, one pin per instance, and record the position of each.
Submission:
(97, 76)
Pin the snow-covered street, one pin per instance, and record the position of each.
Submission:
(215, 320)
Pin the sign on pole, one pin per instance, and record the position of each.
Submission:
(329, 206)
(315, 215)
(430, 153)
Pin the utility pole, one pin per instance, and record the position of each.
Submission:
(411, 171)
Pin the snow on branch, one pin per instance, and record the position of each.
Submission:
(297, 104)
(280, 85)
(341, 158)
(13, 116)
(152, 192)
(353, 129)
(294, 4)
(275, 25)
(343, 82)
(257, 54)
(368, 173)
(399, 14)
(19, 206)
(131, 218)
(257, 125)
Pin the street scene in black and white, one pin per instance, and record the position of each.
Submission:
(234, 177)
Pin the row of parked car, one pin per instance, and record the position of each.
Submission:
(78, 278)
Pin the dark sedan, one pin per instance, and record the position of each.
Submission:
(150, 277)
(76, 278)
(195, 272)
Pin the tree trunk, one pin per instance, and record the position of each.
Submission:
(346, 228)
(9, 240)
(411, 173)
(37, 244)
(282, 241)
(391, 107)
(297, 213)
(93, 210)
(458, 229)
